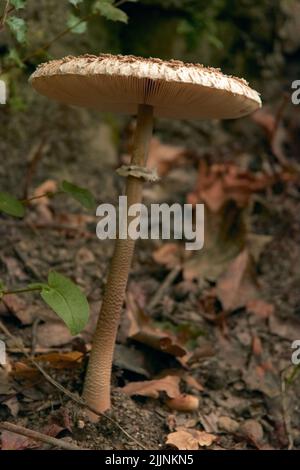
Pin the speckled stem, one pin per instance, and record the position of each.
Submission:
(97, 382)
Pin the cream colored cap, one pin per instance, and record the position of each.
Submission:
(120, 83)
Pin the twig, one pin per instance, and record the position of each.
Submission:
(38, 436)
(279, 113)
(164, 287)
(21, 291)
(35, 156)
(4, 16)
(34, 335)
(46, 46)
(27, 264)
(285, 412)
(69, 394)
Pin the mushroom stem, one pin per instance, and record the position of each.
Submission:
(97, 382)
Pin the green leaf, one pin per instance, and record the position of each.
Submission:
(11, 205)
(2, 287)
(15, 57)
(18, 28)
(78, 26)
(75, 2)
(18, 4)
(81, 195)
(109, 11)
(67, 300)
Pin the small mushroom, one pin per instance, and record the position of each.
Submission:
(149, 88)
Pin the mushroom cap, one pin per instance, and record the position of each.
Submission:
(120, 83)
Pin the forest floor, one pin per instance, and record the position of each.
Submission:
(222, 335)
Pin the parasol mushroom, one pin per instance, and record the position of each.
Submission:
(149, 88)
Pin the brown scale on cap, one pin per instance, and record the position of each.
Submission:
(148, 88)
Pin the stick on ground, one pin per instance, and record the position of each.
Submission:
(38, 436)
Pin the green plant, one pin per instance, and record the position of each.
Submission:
(59, 293)
(63, 296)
(17, 208)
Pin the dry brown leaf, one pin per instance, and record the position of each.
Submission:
(12, 441)
(193, 383)
(253, 431)
(190, 439)
(55, 360)
(140, 329)
(220, 183)
(58, 360)
(24, 371)
(164, 157)
(183, 402)
(238, 285)
(152, 388)
(169, 255)
(19, 307)
(13, 405)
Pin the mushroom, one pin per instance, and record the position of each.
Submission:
(149, 88)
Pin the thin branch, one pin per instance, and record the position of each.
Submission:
(38, 436)
(4, 16)
(40, 196)
(20, 291)
(46, 46)
(164, 287)
(285, 411)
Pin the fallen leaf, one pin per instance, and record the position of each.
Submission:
(190, 439)
(223, 182)
(169, 255)
(24, 371)
(262, 379)
(52, 430)
(238, 285)
(193, 383)
(129, 358)
(13, 406)
(12, 441)
(152, 388)
(226, 191)
(183, 402)
(140, 328)
(61, 360)
(54, 360)
(19, 307)
(253, 431)
(179, 421)
(227, 424)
